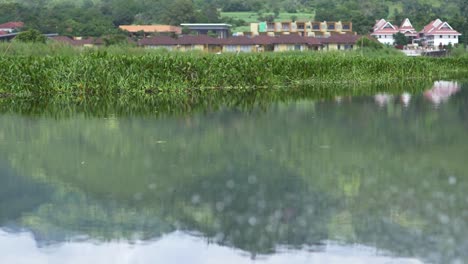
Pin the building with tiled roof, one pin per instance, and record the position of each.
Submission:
(438, 33)
(407, 29)
(383, 31)
(340, 42)
(11, 26)
(152, 29)
(261, 43)
(159, 42)
(200, 43)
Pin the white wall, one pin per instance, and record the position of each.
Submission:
(445, 40)
(385, 39)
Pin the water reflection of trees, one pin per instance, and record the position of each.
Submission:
(299, 173)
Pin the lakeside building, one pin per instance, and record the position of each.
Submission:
(221, 30)
(435, 34)
(151, 29)
(302, 28)
(407, 29)
(10, 27)
(259, 43)
(383, 31)
(438, 34)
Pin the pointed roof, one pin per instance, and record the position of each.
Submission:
(439, 27)
(407, 28)
(384, 27)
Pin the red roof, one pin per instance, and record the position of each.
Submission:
(198, 40)
(341, 39)
(289, 39)
(384, 27)
(12, 25)
(263, 40)
(240, 40)
(152, 28)
(158, 41)
(313, 41)
(439, 27)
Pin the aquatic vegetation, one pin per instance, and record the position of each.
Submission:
(99, 74)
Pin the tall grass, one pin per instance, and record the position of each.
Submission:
(104, 73)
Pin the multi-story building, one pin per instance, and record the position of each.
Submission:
(383, 31)
(438, 34)
(303, 28)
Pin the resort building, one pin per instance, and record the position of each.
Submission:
(383, 31)
(10, 27)
(408, 30)
(438, 34)
(221, 30)
(340, 42)
(260, 43)
(302, 28)
(202, 43)
(146, 30)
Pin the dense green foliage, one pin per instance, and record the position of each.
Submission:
(99, 17)
(31, 36)
(99, 74)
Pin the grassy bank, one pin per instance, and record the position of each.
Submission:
(101, 74)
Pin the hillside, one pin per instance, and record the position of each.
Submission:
(97, 17)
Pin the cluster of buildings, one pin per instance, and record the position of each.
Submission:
(436, 34)
(259, 43)
(265, 36)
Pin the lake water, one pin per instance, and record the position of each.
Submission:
(379, 179)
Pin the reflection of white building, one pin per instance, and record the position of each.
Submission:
(441, 91)
(405, 99)
(382, 99)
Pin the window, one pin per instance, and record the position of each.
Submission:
(246, 48)
(331, 26)
(231, 48)
(316, 26)
(339, 46)
(346, 27)
(297, 47)
(440, 36)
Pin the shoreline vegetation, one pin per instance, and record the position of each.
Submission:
(126, 73)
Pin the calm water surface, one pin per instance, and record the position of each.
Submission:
(379, 179)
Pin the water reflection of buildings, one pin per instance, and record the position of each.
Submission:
(383, 99)
(441, 91)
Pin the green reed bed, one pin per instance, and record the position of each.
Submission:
(100, 74)
(167, 102)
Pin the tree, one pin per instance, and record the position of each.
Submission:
(32, 36)
(400, 39)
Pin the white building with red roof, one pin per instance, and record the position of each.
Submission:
(439, 33)
(408, 30)
(383, 31)
(11, 26)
